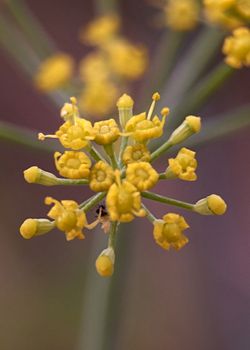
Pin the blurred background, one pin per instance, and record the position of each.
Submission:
(51, 296)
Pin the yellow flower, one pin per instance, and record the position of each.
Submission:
(227, 13)
(101, 177)
(70, 111)
(123, 201)
(211, 205)
(106, 131)
(136, 153)
(182, 15)
(100, 30)
(168, 232)
(183, 166)
(35, 227)
(126, 60)
(142, 175)
(237, 48)
(98, 98)
(76, 135)
(141, 128)
(243, 6)
(54, 72)
(105, 262)
(94, 67)
(190, 126)
(68, 217)
(73, 165)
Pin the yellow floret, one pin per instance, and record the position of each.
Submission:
(106, 132)
(169, 231)
(73, 165)
(237, 48)
(68, 217)
(126, 60)
(76, 135)
(54, 72)
(98, 98)
(183, 166)
(124, 202)
(142, 129)
(182, 15)
(94, 67)
(101, 177)
(227, 13)
(100, 30)
(142, 175)
(136, 153)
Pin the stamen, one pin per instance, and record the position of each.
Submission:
(156, 96)
(42, 136)
(165, 111)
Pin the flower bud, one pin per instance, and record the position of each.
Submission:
(190, 126)
(211, 205)
(39, 176)
(35, 227)
(125, 106)
(105, 262)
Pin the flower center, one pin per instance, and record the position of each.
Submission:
(142, 174)
(172, 232)
(104, 129)
(100, 175)
(73, 163)
(137, 155)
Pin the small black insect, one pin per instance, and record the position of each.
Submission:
(101, 210)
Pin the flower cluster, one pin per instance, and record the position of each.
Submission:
(112, 59)
(229, 14)
(122, 176)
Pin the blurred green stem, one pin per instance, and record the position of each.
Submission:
(160, 67)
(30, 26)
(24, 137)
(202, 91)
(221, 126)
(193, 63)
(103, 7)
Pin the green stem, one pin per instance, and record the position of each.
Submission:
(161, 150)
(94, 153)
(124, 143)
(112, 234)
(31, 27)
(150, 216)
(161, 65)
(25, 137)
(167, 200)
(202, 91)
(105, 6)
(92, 202)
(72, 182)
(192, 65)
(109, 149)
(222, 126)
